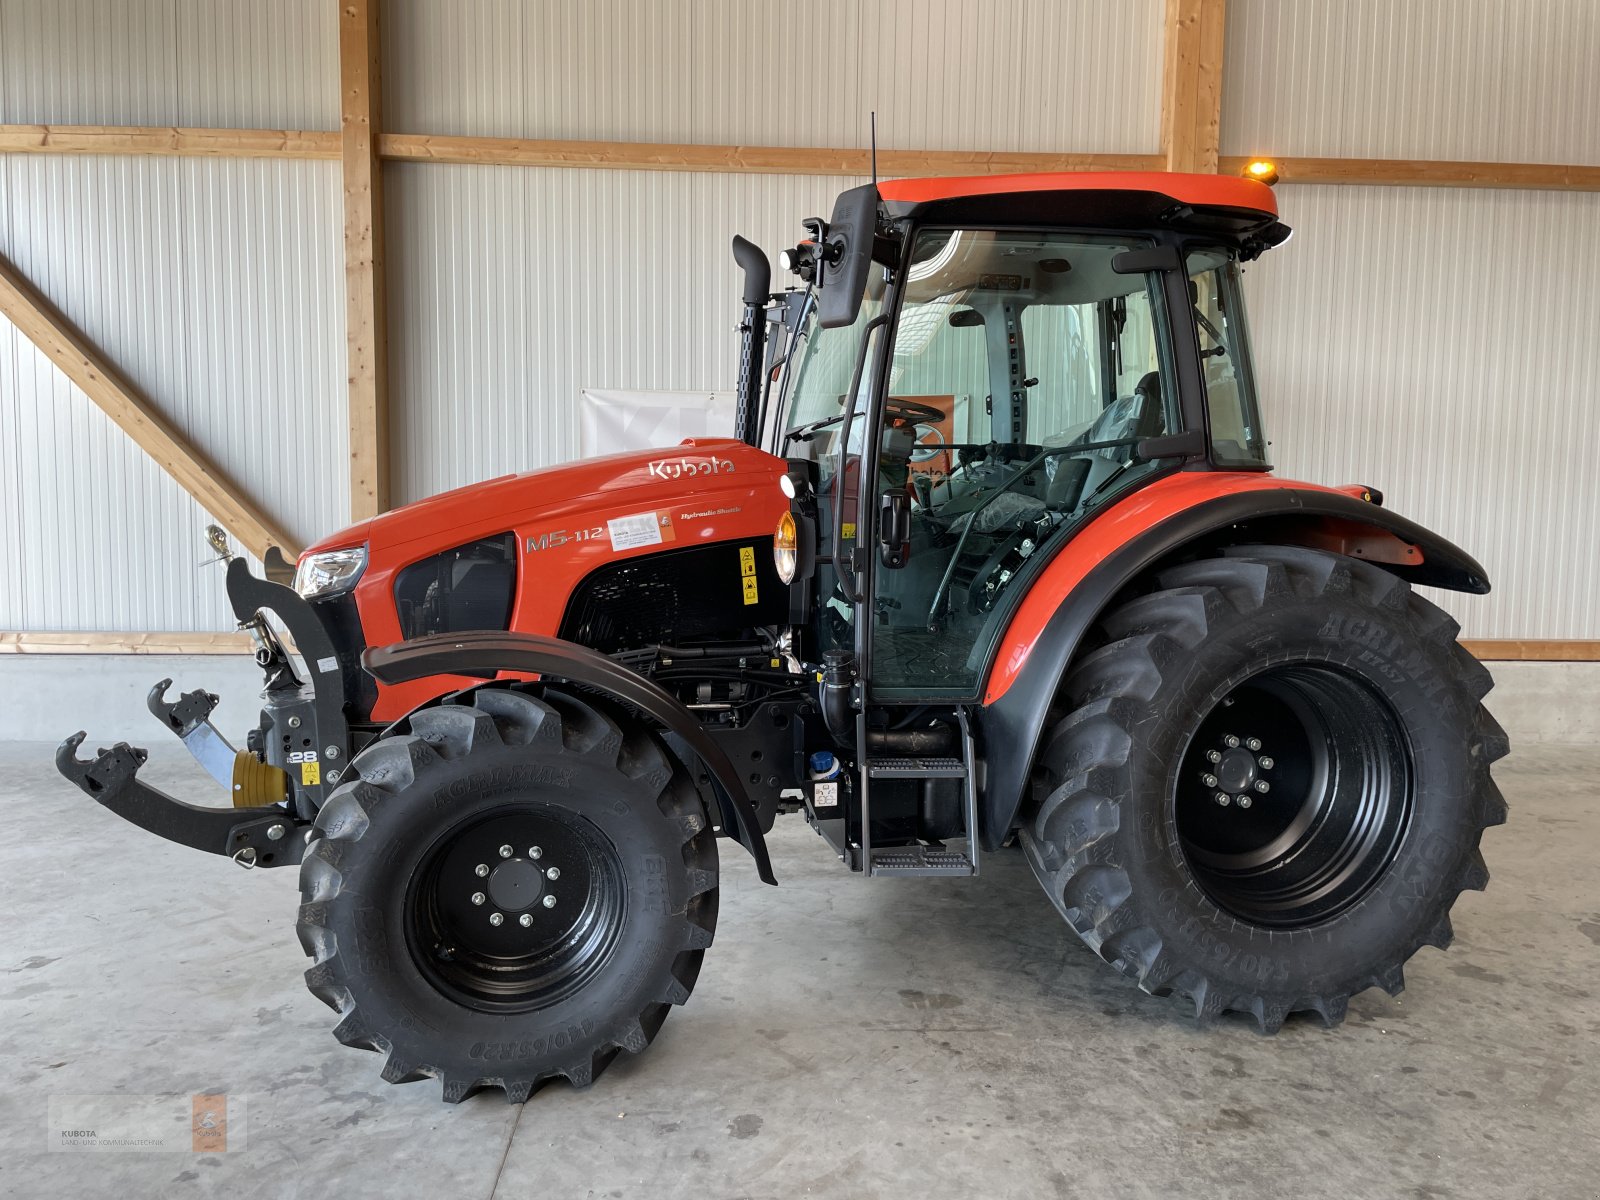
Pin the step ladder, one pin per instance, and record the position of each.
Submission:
(923, 860)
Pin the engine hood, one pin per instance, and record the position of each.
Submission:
(700, 472)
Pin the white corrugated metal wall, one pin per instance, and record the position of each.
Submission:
(1429, 342)
(215, 285)
(1437, 343)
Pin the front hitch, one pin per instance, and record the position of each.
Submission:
(268, 836)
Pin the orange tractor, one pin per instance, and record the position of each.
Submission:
(994, 563)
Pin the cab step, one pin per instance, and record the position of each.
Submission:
(920, 860)
(916, 768)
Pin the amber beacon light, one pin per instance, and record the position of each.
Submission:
(1263, 170)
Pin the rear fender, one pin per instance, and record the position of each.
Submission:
(1038, 647)
(493, 650)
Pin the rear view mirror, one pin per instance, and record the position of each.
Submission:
(847, 257)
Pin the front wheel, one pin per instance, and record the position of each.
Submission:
(513, 891)
(1266, 789)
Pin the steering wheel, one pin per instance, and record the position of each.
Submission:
(910, 412)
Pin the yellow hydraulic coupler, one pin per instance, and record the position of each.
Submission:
(256, 783)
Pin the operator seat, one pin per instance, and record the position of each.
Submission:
(1140, 415)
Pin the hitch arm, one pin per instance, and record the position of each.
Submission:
(190, 719)
(268, 836)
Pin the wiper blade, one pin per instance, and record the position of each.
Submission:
(806, 430)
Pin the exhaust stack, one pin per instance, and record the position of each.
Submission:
(753, 326)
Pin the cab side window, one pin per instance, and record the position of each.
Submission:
(1237, 439)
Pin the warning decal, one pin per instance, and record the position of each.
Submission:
(747, 572)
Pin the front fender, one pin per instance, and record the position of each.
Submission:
(1128, 540)
(492, 650)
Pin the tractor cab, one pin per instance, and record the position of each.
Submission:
(976, 367)
(967, 373)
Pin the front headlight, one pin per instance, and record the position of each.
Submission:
(784, 542)
(330, 573)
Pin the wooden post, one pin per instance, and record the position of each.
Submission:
(361, 126)
(30, 312)
(1191, 93)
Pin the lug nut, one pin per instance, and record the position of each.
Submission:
(478, 897)
(525, 920)
(482, 869)
(1224, 799)
(1266, 763)
(1214, 756)
(549, 901)
(553, 873)
(1253, 743)
(1209, 780)
(1232, 742)
(535, 853)
(1244, 801)
(496, 919)
(1263, 786)
(505, 851)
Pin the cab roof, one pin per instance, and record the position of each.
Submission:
(1198, 191)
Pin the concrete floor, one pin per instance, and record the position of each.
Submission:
(847, 1039)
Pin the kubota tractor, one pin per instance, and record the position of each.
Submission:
(995, 563)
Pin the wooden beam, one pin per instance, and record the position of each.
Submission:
(71, 642)
(1533, 650)
(1191, 85)
(764, 160)
(39, 321)
(171, 141)
(98, 642)
(1400, 172)
(769, 160)
(361, 126)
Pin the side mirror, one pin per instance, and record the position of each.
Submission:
(894, 528)
(846, 257)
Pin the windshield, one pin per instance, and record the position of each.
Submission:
(823, 361)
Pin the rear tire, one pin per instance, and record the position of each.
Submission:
(1355, 837)
(459, 820)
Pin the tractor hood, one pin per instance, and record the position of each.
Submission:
(698, 474)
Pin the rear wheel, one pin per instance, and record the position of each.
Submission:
(514, 890)
(1266, 789)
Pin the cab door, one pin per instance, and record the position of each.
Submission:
(1025, 371)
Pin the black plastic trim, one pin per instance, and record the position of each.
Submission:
(1011, 726)
(494, 650)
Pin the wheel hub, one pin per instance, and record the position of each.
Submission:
(516, 884)
(1237, 770)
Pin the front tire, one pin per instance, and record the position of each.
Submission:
(1266, 789)
(514, 890)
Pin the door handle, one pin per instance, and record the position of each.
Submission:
(894, 528)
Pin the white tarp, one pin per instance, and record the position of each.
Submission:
(609, 421)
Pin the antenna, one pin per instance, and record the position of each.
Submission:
(874, 147)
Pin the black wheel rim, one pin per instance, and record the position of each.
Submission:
(1294, 795)
(516, 910)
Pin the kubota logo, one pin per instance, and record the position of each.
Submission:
(677, 468)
